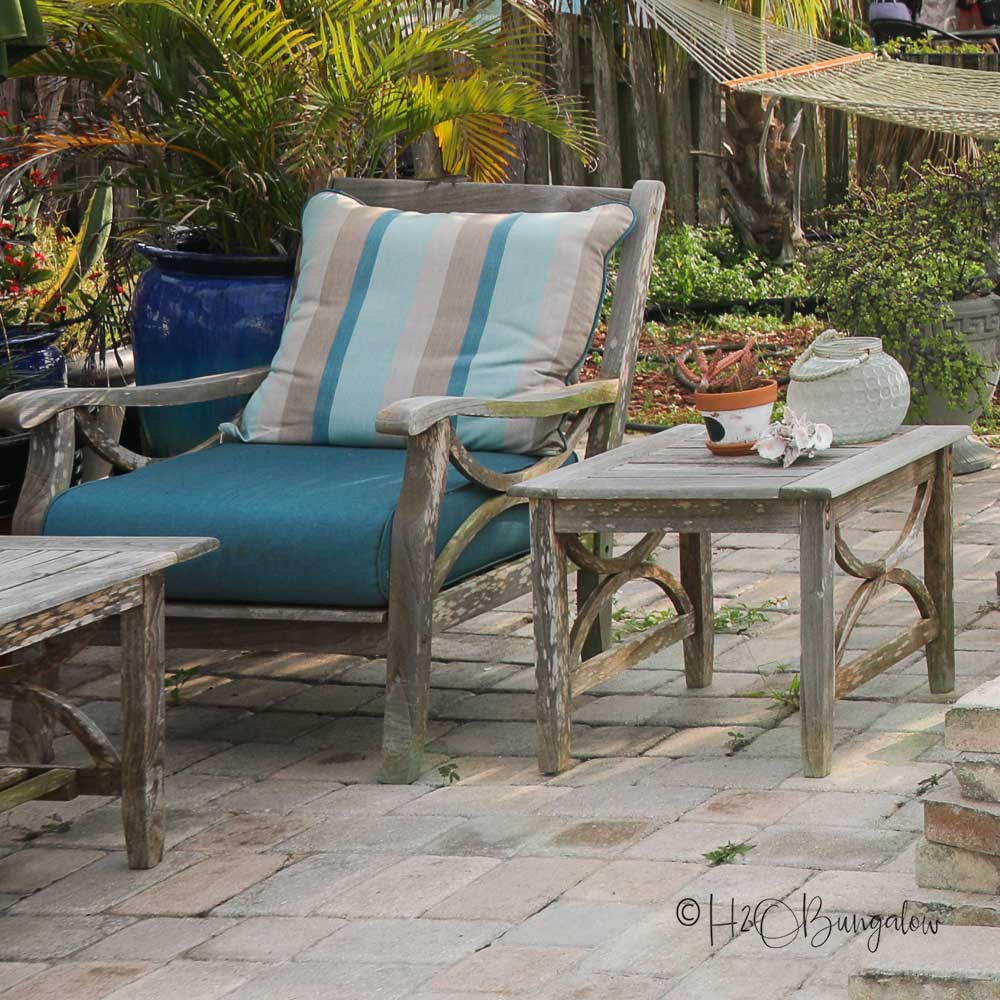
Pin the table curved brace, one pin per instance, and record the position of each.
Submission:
(666, 581)
(84, 729)
(855, 607)
(869, 570)
(638, 554)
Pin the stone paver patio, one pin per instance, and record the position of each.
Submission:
(291, 874)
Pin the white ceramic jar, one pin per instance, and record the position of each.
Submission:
(851, 384)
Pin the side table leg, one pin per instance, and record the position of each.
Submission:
(143, 726)
(939, 575)
(817, 668)
(696, 578)
(551, 620)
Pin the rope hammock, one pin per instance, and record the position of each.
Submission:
(742, 52)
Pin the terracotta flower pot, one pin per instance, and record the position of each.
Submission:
(735, 420)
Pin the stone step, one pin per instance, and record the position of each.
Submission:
(976, 909)
(938, 866)
(950, 818)
(956, 963)
(875, 984)
(973, 723)
(979, 775)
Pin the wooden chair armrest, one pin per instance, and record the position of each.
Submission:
(409, 417)
(21, 411)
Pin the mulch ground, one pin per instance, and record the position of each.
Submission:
(658, 397)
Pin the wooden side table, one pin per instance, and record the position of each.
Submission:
(54, 592)
(670, 482)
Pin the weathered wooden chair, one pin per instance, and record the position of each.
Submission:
(436, 577)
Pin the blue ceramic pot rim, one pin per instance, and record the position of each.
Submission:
(38, 335)
(218, 264)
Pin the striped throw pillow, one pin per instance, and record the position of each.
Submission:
(391, 304)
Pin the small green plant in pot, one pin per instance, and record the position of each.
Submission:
(733, 399)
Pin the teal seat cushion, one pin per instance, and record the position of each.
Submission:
(299, 524)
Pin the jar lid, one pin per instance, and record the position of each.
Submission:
(849, 347)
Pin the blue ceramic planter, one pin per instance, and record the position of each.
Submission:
(37, 364)
(199, 314)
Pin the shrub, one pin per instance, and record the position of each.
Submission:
(695, 266)
(901, 256)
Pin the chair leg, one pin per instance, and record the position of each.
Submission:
(411, 605)
(554, 689)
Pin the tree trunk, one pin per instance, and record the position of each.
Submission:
(758, 176)
(427, 163)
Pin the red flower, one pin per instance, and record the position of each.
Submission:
(4, 114)
(60, 309)
(119, 289)
(40, 256)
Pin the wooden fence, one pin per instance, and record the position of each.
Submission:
(659, 116)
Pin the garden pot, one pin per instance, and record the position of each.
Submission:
(197, 314)
(37, 363)
(979, 320)
(735, 420)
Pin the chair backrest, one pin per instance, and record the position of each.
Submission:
(635, 261)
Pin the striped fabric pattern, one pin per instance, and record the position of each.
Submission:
(391, 304)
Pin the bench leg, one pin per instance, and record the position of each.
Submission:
(939, 575)
(554, 694)
(817, 669)
(696, 579)
(143, 726)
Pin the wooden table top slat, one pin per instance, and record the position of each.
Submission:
(11, 559)
(187, 547)
(675, 465)
(82, 566)
(47, 564)
(882, 458)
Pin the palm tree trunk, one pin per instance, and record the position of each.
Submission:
(759, 175)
